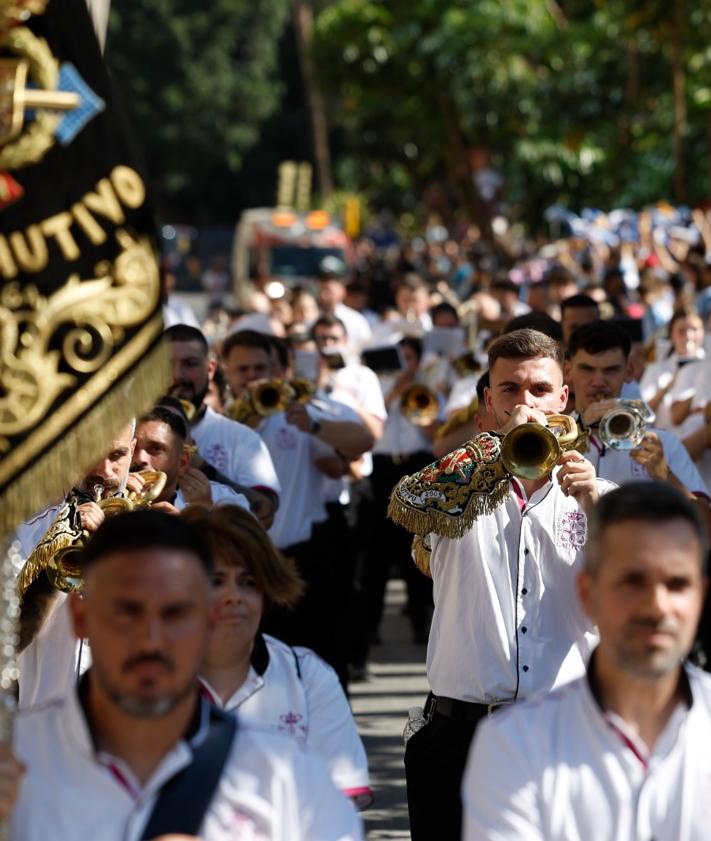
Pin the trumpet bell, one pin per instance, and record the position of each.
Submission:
(153, 484)
(623, 428)
(303, 389)
(270, 396)
(531, 450)
(420, 406)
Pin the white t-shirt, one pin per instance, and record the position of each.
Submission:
(270, 789)
(560, 769)
(302, 490)
(462, 393)
(357, 327)
(293, 691)
(506, 620)
(658, 375)
(235, 450)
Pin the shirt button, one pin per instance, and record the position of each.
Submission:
(526, 551)
(524, 629)
(525, 668)
(524, 591)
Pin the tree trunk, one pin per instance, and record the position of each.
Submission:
(457, 154)
(303, 25)
(678, 88)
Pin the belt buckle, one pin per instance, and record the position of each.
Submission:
(492, 708)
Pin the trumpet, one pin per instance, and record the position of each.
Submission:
(623, 427)
(530, 451)
(64, 570)
(466, 364)
(419, 405)
(304, 390)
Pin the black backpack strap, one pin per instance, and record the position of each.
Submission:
(184, 799)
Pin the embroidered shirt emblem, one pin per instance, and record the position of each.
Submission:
(572, 530)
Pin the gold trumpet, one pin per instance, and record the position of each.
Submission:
(64, 569)
(304, 390)
(419, 405)
(270, 396)
(466, 364)
(530, 451)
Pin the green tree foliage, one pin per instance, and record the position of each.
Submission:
(605, 102)
(198, 80)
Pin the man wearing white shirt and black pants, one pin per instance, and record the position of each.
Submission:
(622, 753)
(505, 623)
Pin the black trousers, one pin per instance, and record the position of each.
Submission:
(435, 759)
(317, 621)
(390, 545)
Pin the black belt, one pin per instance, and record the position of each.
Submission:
(461, 710)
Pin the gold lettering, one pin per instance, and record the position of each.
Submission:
(88, 224)
(129, 186)
(8, 269)
(104, 202)
(58, 227)
(30, 249)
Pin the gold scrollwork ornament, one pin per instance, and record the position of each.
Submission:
(94, 310)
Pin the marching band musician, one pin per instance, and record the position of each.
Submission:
(622, 752)
(49, 657)
(503, 558)
(134, 751)
(597, 368)
(406, 446)
(161, 437)
(230, 448)
(297, 437)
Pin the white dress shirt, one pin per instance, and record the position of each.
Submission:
(270, 789)
(560, 769)
(235, 450)
(293, 691)
(506, 619)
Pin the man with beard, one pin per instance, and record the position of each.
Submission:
(160, 445)
(622, 752)
(50, 658)
(134, 751)
(229, 448)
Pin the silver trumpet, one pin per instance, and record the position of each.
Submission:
(623, 427)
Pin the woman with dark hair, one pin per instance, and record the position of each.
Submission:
(660, 384)
(265, 680)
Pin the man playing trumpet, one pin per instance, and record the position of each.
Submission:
(597, 369)
(50, 657)
(504, 556)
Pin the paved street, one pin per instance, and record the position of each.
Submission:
(396, 683)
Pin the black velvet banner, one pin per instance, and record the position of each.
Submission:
(80, 315)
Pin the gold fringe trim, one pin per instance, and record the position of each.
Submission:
(83, 445)
(421, 554)
(43, 556)
(453, 526)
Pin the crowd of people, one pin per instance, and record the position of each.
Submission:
(231, 551)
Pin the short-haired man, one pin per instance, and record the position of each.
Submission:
(576, 311)
(622, 752)
(231, 448)
(160, 445)
(125, 755)
(332, 274)
(597, 368)
(504, 554)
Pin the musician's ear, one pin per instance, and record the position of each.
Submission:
(487, 399)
